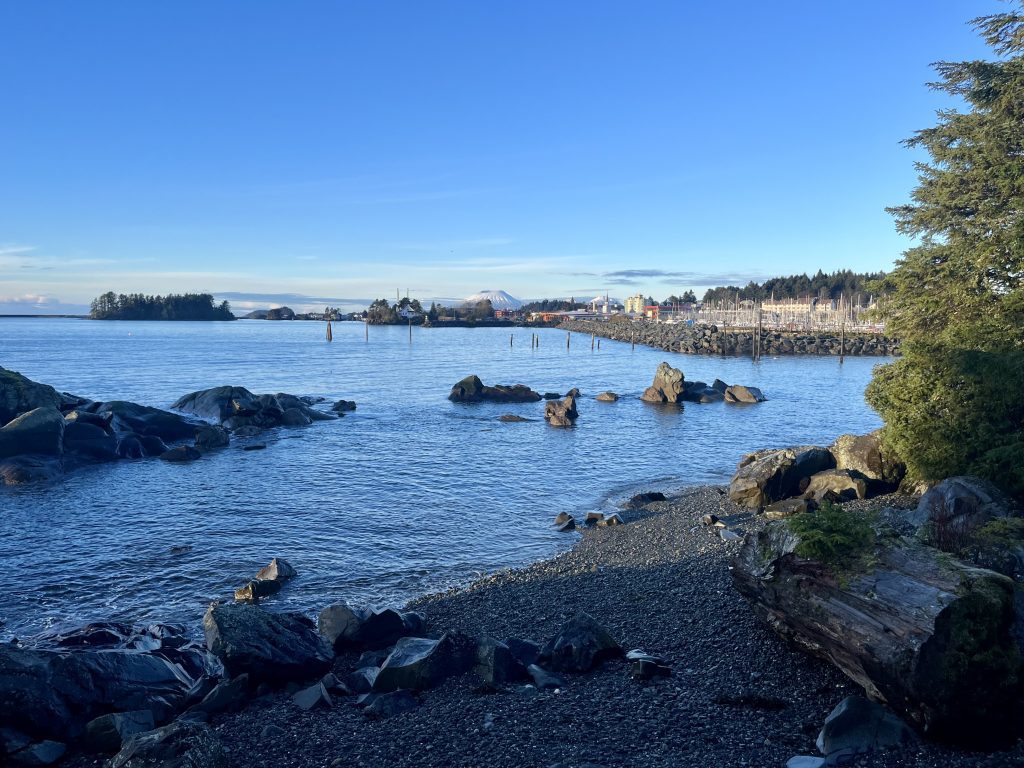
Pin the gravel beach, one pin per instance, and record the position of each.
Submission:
(738, 695)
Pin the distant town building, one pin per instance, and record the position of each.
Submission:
(635, 304)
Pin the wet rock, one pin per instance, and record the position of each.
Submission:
(132, 418)
(268, 581)
(579, 646)
(668, 386)
(53, 694)
(805, 761)
(607, 397)
(295, 417)
(211, 437)
(343, 406)
(152, 445)
(610, 520)
(593, 518)
(562, 517)
(182, 744)
(738, 393)
(418, 663)
(472, 390)
(552, 395)
(181, 454)
(237, 407)
(859, 727)
(511, 418)
(39, 431)
(90, 441)
(108, 733)
(255, 447)
(312, 698)
(22, 470)
(566, 526)
(641, 500)
(270, 647)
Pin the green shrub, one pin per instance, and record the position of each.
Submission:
(835, 537)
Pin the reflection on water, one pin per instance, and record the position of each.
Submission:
(408, 494)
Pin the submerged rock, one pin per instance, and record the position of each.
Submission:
(738, 393)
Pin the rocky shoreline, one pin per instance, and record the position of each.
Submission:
(737, 694)
(712, 340)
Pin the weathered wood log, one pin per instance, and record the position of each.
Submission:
(930, 636)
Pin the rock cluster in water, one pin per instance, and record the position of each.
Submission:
(670, 387)
(46, 433)
(712, 340)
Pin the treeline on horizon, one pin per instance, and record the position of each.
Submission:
(852, 286)
(173, 306)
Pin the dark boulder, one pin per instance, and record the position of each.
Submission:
(103, 421)
(357, 628)
(511, 418)
(236, 408)
(418, 663)
(19, 395)
(41, 753)
(472, 390)
(39, 431)
(767, 476)
(523, 651)
(211, 437)
(182, 744)
(343, 406)
(108, 733)
(90, 441)
(607, 397)
(53, 694)
(126, 417)
(495, 664)
(270, 647)
(579, 646)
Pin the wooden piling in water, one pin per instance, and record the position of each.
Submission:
(842, 341)
(567, 335)
(367, 329)
(410, 330)
(510, 341)
(592, 337)
(330, 336)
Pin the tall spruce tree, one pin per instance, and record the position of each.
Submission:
(954, 403)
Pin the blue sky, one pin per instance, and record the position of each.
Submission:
(343, 150)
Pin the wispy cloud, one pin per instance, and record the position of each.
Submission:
(8, 249)
(454, 245)
(635, 277)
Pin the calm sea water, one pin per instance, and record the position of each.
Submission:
(409, 494)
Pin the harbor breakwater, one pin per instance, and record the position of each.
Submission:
(714, 340)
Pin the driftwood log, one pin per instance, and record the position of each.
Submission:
(928, 635)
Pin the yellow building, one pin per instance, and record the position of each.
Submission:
(635, 304)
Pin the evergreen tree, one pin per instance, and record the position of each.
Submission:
(954, 403)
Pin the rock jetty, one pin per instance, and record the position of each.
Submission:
(712, 340)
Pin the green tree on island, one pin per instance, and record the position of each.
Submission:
(954, 403)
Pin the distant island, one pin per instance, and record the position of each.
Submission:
(136, 306)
